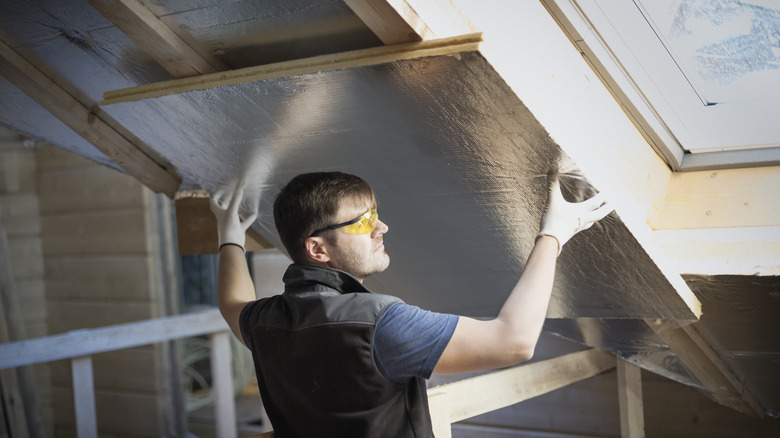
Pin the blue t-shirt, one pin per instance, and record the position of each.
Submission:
(408, 341)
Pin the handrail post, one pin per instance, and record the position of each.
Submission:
(222, 385)
(84, 397)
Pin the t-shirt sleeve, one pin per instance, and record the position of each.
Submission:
(408, 341)
(243, 323)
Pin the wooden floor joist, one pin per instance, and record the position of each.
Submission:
(83, 121)
(154, 37)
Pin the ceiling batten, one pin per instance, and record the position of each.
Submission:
(315, 64)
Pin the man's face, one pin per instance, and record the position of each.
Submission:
(358, 254)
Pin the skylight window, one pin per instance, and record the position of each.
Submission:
(728, 50)
(707, 70)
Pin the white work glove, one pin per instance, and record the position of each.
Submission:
(563, 219)
(232, 230)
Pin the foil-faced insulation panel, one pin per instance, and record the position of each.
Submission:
(739, 319)
(88, 55)
(458, 164)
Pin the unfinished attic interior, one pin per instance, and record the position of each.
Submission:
(121, 116)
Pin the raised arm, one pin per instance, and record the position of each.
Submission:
(511, 337)
(234, 285)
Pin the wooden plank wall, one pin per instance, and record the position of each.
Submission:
(20, 216)
(101, 262)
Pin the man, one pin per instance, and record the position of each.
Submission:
(334, 359)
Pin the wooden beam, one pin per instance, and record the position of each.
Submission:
(392, 21)
(331, 62)
(632, 419)
(723, 251)
(196, 226)
(704, 364)
(470, 397)
(84, 121)
(155, 38)
(723, 199)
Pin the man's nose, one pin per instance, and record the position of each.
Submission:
(380, 229)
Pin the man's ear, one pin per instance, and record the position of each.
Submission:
(317, 249)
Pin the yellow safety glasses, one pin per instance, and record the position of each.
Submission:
(363, 224)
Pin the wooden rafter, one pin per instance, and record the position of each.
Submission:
(392, 21)
(154, 37)
(703, 362)
(471, 397)
(84, 121)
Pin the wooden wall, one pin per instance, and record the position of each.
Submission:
(103, 264)
(19, 218)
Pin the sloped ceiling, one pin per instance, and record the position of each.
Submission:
(456, 158)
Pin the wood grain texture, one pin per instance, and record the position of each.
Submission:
(723, 199)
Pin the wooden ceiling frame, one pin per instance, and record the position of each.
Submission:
(86, 120)
(645, 178)
(179, 57)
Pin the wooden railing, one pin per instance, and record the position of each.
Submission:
(80, 345)
(448, 403)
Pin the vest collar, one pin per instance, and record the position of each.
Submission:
(302, 277)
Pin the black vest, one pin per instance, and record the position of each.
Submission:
(315, 367)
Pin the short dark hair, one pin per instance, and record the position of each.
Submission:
(311, 201)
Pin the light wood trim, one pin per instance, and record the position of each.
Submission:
(632, 419)
(392, 21)
(331, 62)
(723, 251)
(704, 364)
(155, 38)
(470, 397)
(84, 121)
(723, 199)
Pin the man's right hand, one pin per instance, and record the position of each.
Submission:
(224, 205)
